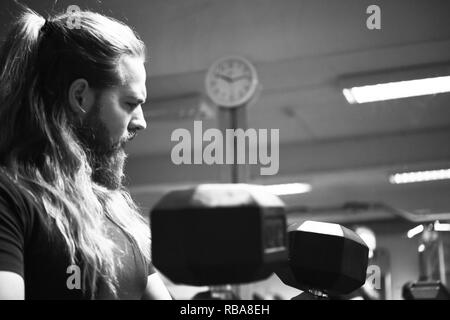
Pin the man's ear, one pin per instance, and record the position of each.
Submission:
(81, 96)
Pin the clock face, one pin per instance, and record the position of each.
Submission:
(231, 81)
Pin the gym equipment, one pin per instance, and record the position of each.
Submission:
(324, 259)
(216, 234)
(433, 249)
(425, 290)
(434, 252)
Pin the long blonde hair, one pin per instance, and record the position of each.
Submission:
(38, 146)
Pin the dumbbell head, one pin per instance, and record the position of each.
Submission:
(325, 257)
(216, 234)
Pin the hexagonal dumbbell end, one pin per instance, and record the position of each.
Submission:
(324, 258)
(216, 234)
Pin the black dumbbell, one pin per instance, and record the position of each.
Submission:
(216, 234)
(325, 259)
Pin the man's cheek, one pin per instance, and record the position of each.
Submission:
(116, 133)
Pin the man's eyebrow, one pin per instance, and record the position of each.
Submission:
(138, 100)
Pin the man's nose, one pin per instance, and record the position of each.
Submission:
(138, 120)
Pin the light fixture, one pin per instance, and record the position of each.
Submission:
(415, 231)
(421, 248)
(288, 188)
(441, 226)
(420, 176)
(397, 89)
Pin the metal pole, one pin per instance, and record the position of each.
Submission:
(233, 118)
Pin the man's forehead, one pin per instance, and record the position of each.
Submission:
(133, 75)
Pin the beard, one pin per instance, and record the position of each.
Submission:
(106, 158)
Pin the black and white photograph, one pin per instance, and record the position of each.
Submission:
(241, 151)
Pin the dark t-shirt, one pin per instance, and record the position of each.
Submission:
(39, 254)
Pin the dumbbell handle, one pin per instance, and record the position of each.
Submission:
(224, 292)
(311, 295)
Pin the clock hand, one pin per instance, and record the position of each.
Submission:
(243, 76)
(227, 79)
(224, 77)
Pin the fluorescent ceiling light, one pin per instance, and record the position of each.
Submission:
(415, 231)
(441, 226)
(397, 90)
(420, 176)
(288, 188)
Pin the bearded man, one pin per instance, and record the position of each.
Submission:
(70, 99)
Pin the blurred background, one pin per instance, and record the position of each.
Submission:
(346, 154)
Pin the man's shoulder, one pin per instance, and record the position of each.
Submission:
(13, 196)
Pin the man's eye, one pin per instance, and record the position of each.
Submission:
(132, 105)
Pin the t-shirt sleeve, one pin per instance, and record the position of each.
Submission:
(14, 218)
(12, 235)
